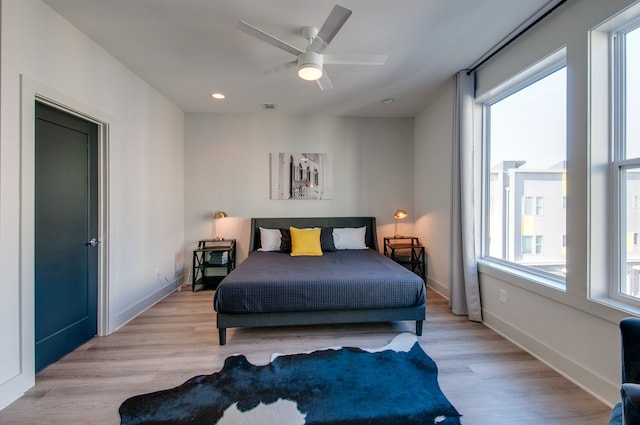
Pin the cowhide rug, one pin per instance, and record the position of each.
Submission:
(396, 384)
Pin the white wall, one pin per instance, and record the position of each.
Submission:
(433, 152)
(578, 337)
(146, 177)
(227, 168)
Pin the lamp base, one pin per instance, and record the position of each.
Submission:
(395, 230)
(218, 238)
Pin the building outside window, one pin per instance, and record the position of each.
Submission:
(525, 163)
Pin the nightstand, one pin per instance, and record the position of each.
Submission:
(406, 250)
(212, 261)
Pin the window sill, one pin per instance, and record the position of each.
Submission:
(604, 307)
(620, 306)
(519, 277)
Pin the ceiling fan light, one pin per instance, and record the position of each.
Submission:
(309, 72)
(310, 66)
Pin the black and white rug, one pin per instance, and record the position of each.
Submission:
(396, 384)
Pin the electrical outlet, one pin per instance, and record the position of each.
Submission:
(503, 296)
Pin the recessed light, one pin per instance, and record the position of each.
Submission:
(387, 100)
(218, 96)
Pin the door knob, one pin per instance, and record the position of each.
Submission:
(94, 242)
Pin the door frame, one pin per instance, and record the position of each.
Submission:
(30, 91)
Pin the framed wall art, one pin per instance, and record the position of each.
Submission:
(301, 176)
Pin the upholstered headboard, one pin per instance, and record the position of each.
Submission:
(371, 238)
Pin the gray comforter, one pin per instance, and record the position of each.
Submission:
(268, 282)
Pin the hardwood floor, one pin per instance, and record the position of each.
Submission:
(488, 379)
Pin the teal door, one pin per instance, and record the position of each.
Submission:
(66, 221)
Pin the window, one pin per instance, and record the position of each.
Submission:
(626, 157)
(527, 205)
(527, 245)
(529, 248)
(614, 128)
(539, 240)
(525, 162)
(529, 202)
(539, 205)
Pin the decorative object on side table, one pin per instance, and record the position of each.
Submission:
(406, 250)
(212, 261)
(397, 216)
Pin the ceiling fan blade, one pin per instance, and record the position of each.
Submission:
(330, 28)
(281, 67)
(267, 38)
(324, 82)
(354, 59)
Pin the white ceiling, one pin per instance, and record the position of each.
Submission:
(187, 49)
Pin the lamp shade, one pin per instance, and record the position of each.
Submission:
(219, 214)
(400, 214)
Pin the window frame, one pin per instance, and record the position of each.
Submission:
(618, 163)
(534, 73)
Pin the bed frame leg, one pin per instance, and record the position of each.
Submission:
(222, 333)
(419, 327)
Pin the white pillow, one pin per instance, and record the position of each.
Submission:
(349, 238)
(270, 239)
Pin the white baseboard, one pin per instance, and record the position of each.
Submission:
(603, 390)
(438, 287)
(123, 317)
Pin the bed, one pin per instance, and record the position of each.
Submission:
(353, 285)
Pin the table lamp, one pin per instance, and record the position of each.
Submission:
(217, 215)
(398, 215)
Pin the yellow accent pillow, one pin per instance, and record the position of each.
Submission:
(305, 242)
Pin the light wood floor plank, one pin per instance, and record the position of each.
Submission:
(488, 379)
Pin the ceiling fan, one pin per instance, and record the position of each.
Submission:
(311, 60)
